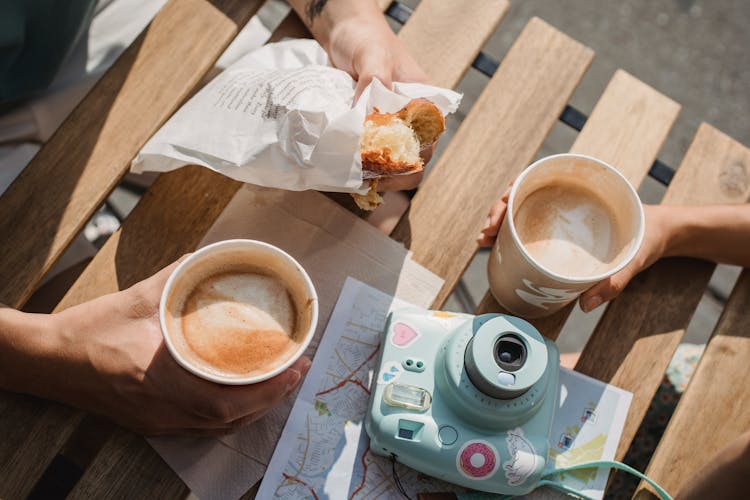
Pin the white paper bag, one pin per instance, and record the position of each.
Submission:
(281, 117)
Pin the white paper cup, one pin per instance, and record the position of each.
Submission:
(520, 282)
(220, 257)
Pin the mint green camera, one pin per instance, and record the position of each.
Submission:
(467, 399)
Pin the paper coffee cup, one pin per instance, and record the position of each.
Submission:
(571, 221)
(238, 312)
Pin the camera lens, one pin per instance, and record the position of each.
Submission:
(510, 353)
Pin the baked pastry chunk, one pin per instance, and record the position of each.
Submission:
(391, 144)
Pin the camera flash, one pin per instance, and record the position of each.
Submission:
(407, 396)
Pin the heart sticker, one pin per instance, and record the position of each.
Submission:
(403, 335)
(389, 372)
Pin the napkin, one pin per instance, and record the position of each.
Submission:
(281, 116)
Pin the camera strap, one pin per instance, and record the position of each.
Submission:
(547, 479)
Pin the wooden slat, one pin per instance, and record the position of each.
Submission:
(640, 331)
(499, 136)
(717, 398)
(180, 207)
(626, 129)
(75, 170)
(55, 195)
(128, 468)
(428, 31)
(23, 420)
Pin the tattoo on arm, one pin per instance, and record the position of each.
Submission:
(314, 9)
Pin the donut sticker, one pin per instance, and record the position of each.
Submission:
(523, 459)
(403, 335)
(389, 372)
(477, 460)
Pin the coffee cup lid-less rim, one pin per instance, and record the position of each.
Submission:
(571, 279)
(237, 380)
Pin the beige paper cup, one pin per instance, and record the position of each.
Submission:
(523, 285)
(219, 257)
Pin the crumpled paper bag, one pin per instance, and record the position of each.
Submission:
(280, 117)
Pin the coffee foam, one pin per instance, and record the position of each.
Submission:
(570, 230)
(568, 225)
(235, 315)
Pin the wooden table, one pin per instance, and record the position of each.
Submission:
(633, 342)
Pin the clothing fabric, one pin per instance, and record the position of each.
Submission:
(36, 37)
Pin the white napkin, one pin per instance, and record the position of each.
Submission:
(281, 117)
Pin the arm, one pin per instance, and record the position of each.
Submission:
(720, 233)
(359, 41)
(107, 356)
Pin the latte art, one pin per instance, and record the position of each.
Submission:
(239, 322)
(570, 230)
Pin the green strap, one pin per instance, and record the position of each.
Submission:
(599, 464)
(547, 481)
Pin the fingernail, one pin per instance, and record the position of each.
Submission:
(592, 303)
(488, 221)
(294, 378)
(305, 364)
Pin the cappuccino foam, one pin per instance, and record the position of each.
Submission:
(570, 230)
(238, 322)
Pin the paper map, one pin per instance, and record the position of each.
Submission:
(324, 453)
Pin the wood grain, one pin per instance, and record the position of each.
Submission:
(444, 49)
(75, 170)
(717, 398)
(626, 129)
(25, 419)
(640, 331)
(499, 136)
(178, 210)
(127, 467)
(57, 193)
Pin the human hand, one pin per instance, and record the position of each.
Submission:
(654, 246)
(108, 357)
(656, 239)
(488, 235)
(365, 46)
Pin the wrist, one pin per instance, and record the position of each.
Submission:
(28, 342)
(678, 229)
(341, 23)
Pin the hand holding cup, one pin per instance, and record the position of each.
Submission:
(107, 356)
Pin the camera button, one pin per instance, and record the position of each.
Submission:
(505, 378)
(413, 365)
(447, 435)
